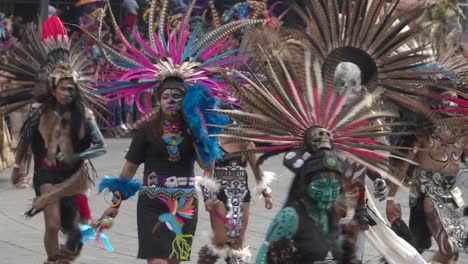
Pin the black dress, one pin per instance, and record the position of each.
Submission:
(167, 203)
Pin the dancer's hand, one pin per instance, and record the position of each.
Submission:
(393, 211)
(268, 202)
(15, 175)
(110, 212)
(209, 204)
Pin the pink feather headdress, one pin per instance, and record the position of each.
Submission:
(191, 54)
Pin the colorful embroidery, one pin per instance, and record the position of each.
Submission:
(167, 193)
(180, 210)
(173, 141)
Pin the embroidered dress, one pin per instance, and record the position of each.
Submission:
(231, 175)
(167, 203)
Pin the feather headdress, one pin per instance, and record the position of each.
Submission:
(193, 56)
(362, 32)
(444, 102)
(43, 60)
(287, 117)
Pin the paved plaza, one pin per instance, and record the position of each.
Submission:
(21, 238)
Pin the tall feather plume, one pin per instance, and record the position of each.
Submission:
(187, 52)
(31, 63)
(278, 111)
(364, 35)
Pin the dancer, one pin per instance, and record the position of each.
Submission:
(229, 205)
(181, 66)
(61, 132)
(436, 203)
(167, 203)
(297, 117)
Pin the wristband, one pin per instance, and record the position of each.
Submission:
(266, 192)
(116, 199)
(390, 198)
(205, 191)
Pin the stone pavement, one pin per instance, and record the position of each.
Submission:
(21, 238)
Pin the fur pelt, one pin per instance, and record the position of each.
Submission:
(56, 134)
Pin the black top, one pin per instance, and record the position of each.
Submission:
(311, 241)
(231, 167)
(231, 160)
(152, 151)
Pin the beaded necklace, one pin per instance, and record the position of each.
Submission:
(173, 140)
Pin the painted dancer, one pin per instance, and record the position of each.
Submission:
(227, 199)
(181, 65)
(436, 203)
(61, 131)
(300, 117)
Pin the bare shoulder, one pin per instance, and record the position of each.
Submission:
(250, 145)
(89, 113)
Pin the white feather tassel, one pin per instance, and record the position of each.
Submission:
(264, 184)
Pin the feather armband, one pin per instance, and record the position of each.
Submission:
(121, 188)
(197, 104)
(263, 186)
(208, 187)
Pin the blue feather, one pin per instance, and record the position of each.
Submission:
(219, 57)
(437, 68)
(119, 86)
(188, 47)
(196, 103)
(126, 187)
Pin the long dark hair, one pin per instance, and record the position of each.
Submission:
(78, 115)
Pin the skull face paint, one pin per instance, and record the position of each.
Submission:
(448, 104)
(324, 191)
(171, 102)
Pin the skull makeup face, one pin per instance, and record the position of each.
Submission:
(171, 102)
(348, 77)
(446, 103)
(318, 138)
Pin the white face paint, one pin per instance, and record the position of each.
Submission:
(348, 77)
(446, 103)
(171, 102)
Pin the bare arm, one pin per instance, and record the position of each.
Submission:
(252, 159)
(400, 171)
(128, 170)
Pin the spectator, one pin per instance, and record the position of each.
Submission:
(52, 11)
(131, 20)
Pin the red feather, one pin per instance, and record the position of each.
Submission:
(361, 152)
(81, 202)
(356, 140)
(53, 28)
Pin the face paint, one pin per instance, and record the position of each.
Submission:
(324, 192)
(65, 92)
(171, 102)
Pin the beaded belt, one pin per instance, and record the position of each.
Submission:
(160, 181)
(230, 174)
